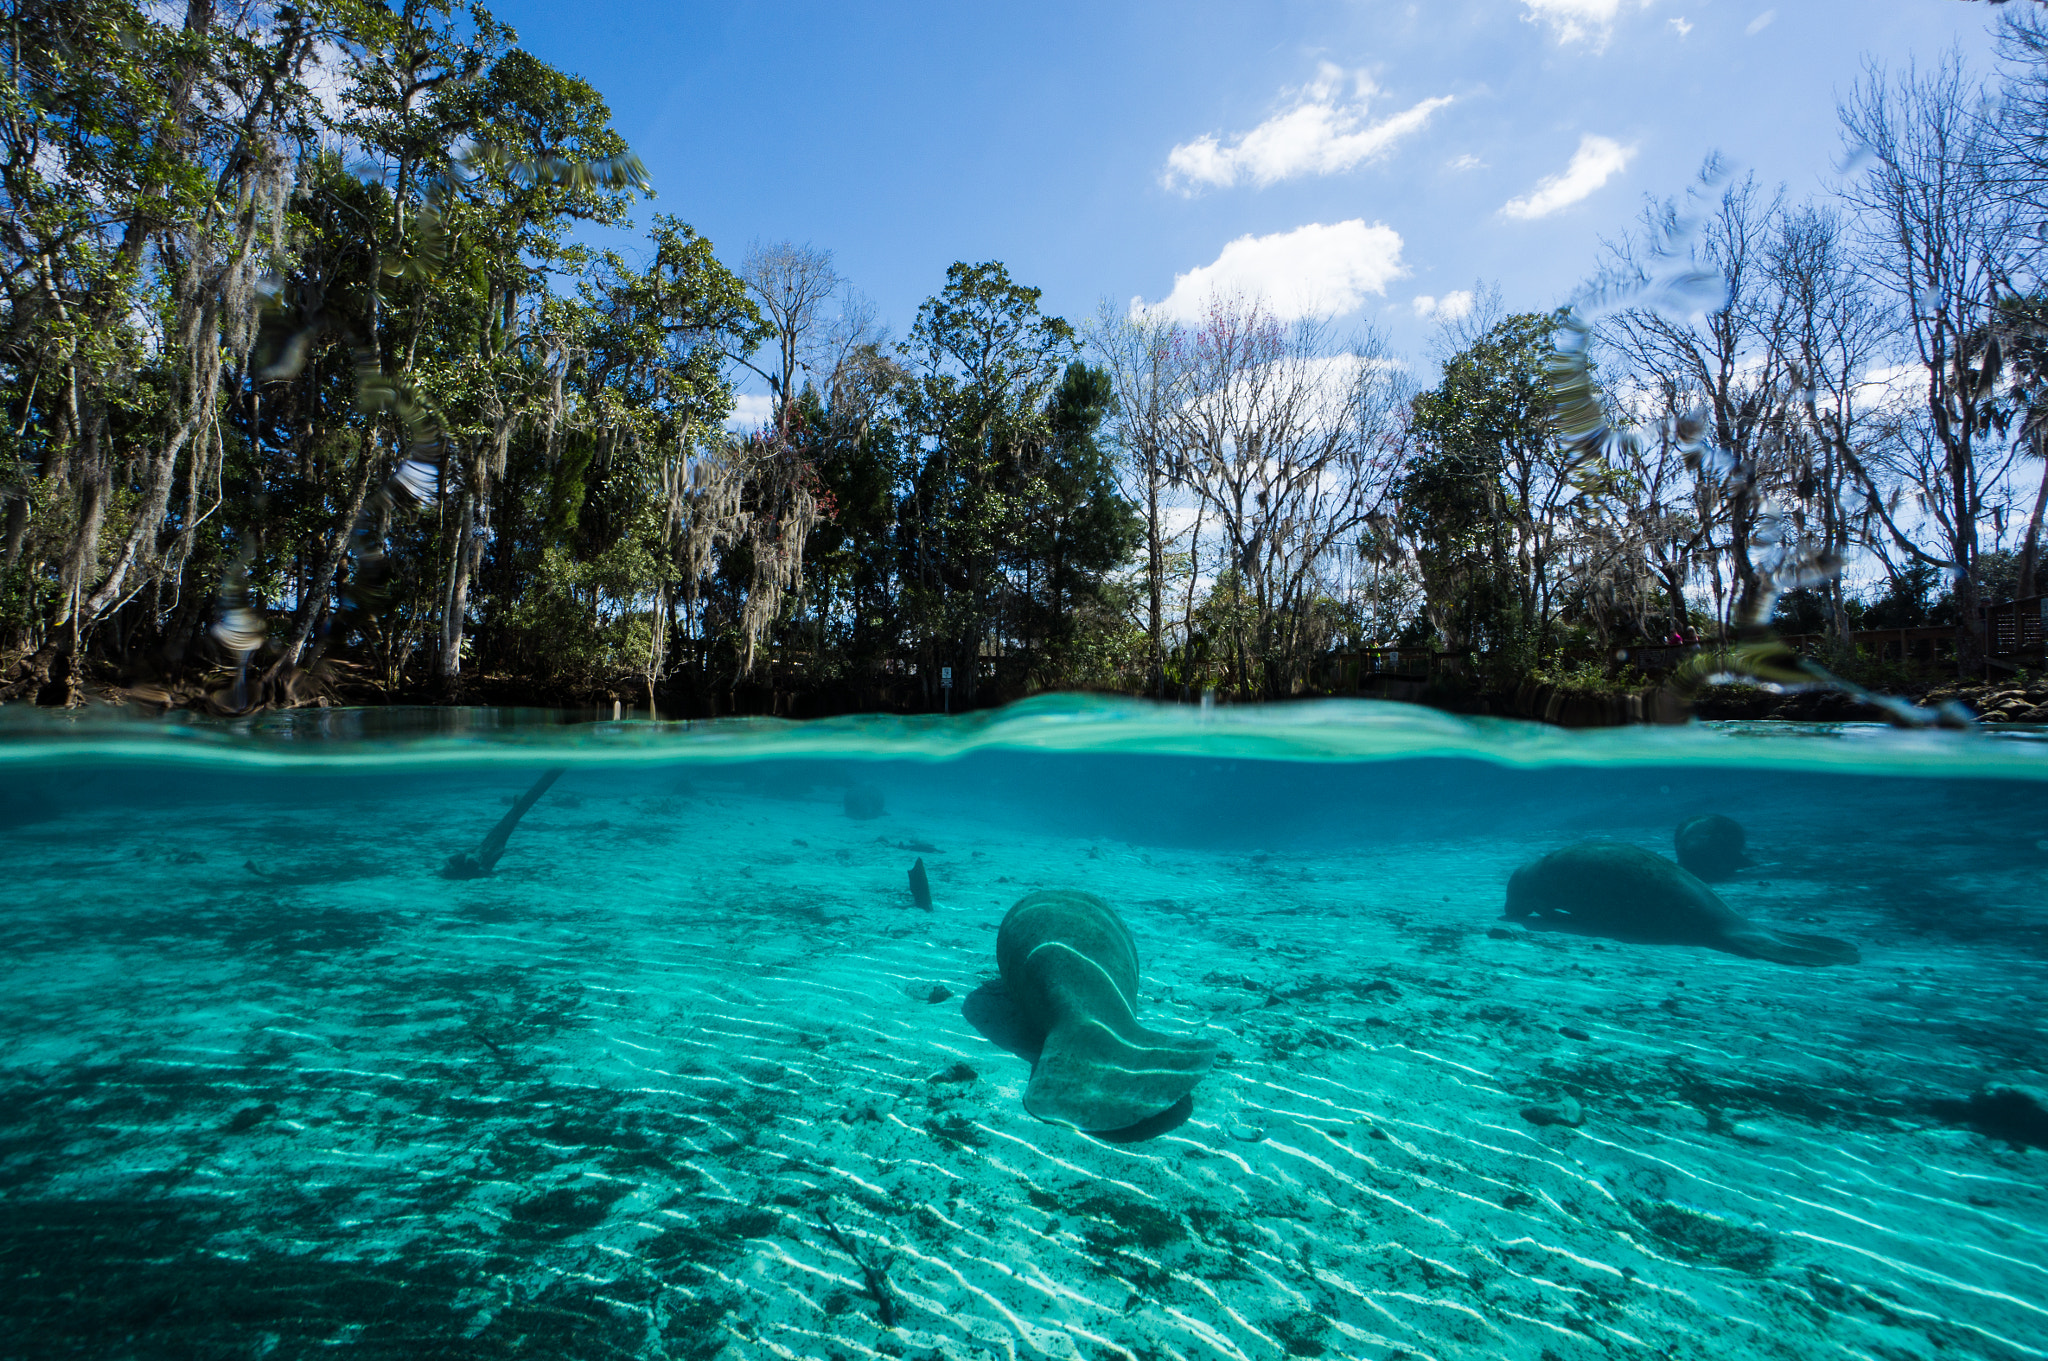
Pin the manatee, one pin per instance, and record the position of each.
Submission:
(1711, 847)
(1606, 888)
(1071, 970)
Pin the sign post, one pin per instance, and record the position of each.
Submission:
(946, 684)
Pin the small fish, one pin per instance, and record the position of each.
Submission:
(916, 846)
(920, 887)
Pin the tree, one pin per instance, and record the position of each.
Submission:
(852, 433)
(159, 173)
(984, 361)
(553, 160)
(1943, 244)
(1481, 494)
(1711, 348)
(1075, 528)
(791, 285)
(1291, 444)
(644, 354)
(1146, 358)
(1833, 333)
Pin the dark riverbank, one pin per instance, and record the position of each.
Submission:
(216, 693)
(1997, 702)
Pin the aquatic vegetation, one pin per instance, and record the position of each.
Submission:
(1707, 1237)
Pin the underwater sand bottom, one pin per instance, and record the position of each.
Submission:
(655, 1092)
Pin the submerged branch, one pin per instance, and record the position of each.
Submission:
(875, 1277)
(477, 863)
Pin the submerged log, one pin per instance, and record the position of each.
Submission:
(477, 863)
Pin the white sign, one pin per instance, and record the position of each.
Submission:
(946, 677)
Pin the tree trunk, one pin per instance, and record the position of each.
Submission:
(163, 469)
(2030, 554)
(1155, 570)
(333, 554)
(1674, 587)
(455, 609)
(81, 558)
(1955, 439)
(1749, 592)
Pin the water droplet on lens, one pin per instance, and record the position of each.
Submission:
(1695, 290)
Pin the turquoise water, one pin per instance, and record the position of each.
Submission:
(690, 1074)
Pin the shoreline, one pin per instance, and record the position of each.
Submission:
(2004, 702)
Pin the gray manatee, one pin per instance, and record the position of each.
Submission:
(1711, 847)
(1606, 888)
(1071, 970)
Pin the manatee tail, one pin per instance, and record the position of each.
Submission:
(1793, 947)
(1098, 1078)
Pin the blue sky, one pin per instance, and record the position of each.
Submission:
(1360, 155)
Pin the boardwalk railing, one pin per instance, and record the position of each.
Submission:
(1906, 647)
(1357, 668)
(2014, 627)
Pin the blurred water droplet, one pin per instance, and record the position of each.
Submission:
(419, 480)
(1693, 290)
(239, 629)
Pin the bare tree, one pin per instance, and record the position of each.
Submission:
(2019, 166)
(1146, 358)
(1671, 515)
(1703, 332)
(1292, 445)
(1835, 331)
(792, 285)
(1941, 241)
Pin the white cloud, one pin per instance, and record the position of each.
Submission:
(326, 76)
(1465, 162)
(1450, 307)
(1681, 25)
(1577, 20)
(1319, 134)
(1597, 160)
(1315, 270)
(1760, 23)
(750, 412)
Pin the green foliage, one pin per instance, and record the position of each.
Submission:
(1486, 435)
(1907, 600)
(979, 405)
(441, 439)
(565, 630)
